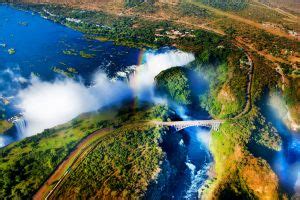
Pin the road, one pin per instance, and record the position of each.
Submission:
(248, 105)
(241, 19)
(74, 158)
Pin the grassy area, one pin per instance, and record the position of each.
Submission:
(175, 84)
(71, 162)
(187, 9)
(11, 51)
(226, 5)
(113, 170)
(261, 40)
(121, 166)
(228, 85)
(4, 126)
(238, 173)
(25, 165)
(83, 54)
(260, 13)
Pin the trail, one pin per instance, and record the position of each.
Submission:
(245, 21)
(74, 158)
(279, 10)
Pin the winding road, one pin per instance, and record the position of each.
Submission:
(250, 63)
(70, 163)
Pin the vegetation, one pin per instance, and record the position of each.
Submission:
(260, 83)
(86, 55)
(262, 14)
(239, 173)
(292, 93)
(70, 52)
(121, 166)
(261, 40)
(11, 51)
(292, 99)
(226, 4)
(145, 7)
(188, 9)
(175, 83)
(68, 73)
(228, 85)
(4, 126)
(137, 3)
(25, 165)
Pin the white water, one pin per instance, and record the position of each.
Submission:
(199, 158)
(141, 77)
(197, 179)
(20, 125)
(47, 104)
(200, 139)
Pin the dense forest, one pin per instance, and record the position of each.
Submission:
(25, 165)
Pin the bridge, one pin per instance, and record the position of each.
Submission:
(179, 125)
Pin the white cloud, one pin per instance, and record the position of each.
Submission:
(47, 104)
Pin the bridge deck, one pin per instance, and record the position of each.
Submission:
(179, 125)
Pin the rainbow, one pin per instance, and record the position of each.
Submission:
(133, 83)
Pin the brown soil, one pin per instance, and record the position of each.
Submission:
(273, 31)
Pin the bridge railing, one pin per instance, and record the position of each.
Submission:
(179, 125)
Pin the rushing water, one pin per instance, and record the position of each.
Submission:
(39, 46)
(188, 151)
(285, 163)
(188, 160)
(198, 160)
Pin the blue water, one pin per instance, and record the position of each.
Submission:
(196, 140)
(39, 46)
(285, 163)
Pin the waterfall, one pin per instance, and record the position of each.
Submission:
(20, 125)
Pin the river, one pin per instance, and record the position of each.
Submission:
(285, 163)
(39, 45)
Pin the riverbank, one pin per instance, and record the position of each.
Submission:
(222, 64)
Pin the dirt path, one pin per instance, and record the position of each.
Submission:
(261, 53)
(274, 60)
(245, 21)
(82, 149)
(280, 11)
